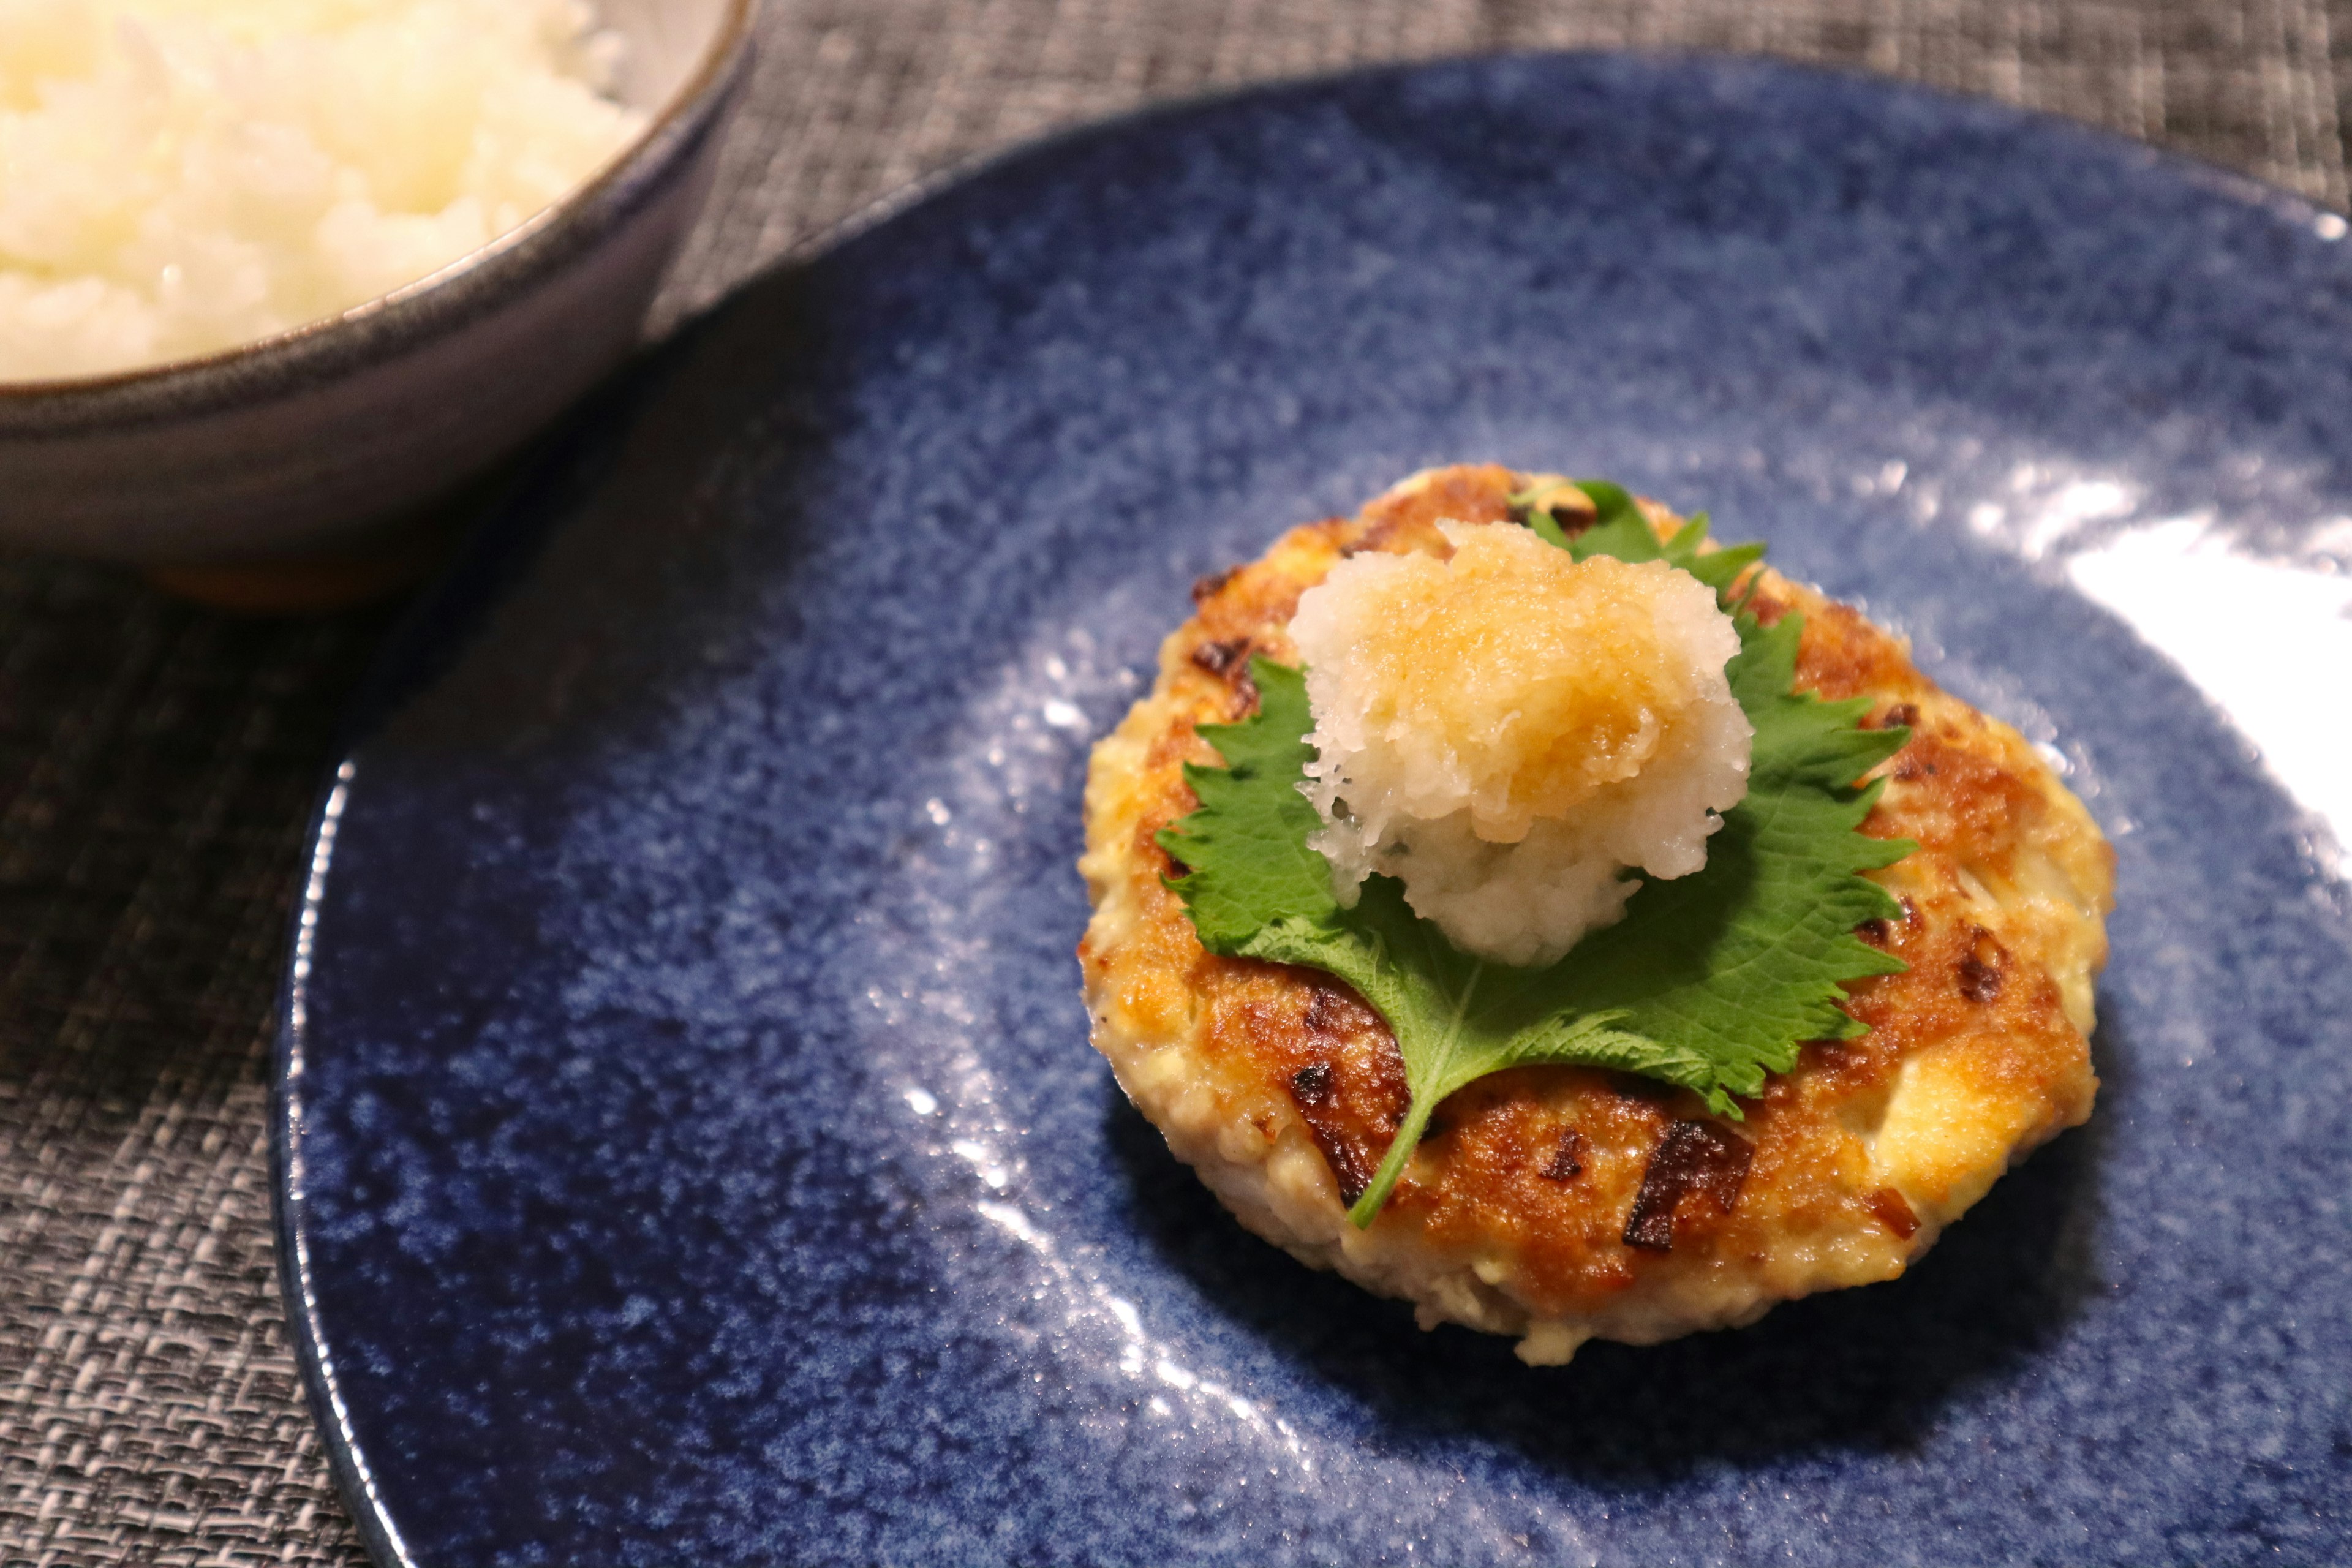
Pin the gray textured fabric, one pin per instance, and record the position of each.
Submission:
(157, 762)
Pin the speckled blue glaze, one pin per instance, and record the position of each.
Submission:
(693, 1152)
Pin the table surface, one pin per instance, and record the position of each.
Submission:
(158, 762)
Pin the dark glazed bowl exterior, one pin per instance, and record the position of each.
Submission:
(323, 437)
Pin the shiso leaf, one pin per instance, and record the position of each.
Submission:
(1710, 982)
(1622, 530)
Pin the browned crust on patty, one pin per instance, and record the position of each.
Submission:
(1588, 1201)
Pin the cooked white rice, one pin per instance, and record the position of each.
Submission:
(1508, 731)
(180, 176)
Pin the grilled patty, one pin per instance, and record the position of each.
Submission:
(1560, 1204)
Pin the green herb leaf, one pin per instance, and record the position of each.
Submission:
(1709, 982)
(1622, 530)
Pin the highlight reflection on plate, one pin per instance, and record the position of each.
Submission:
(692, 1151)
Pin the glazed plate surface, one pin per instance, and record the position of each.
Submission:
(690, 1149)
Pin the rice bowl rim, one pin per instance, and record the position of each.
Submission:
(667, 130)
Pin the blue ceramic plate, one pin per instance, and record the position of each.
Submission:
(691, 1150)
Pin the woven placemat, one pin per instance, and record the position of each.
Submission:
(157, 763)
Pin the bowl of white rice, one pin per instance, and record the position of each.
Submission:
(279, 277)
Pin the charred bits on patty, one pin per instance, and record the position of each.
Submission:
(1982, 967)
(1694, 1159)
(1312, 1090)
(1221, 658)
(1902, 716)
(1893, 1210)
(1568, 1160)
(1210, 587)
(1244, 695)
